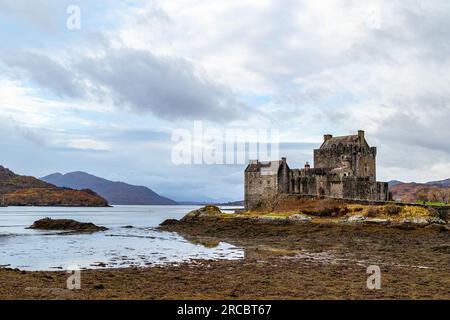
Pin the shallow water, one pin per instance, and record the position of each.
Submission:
(141, 245)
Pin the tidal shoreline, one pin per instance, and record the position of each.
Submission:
(282, 261)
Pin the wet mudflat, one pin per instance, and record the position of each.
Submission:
(282, 261)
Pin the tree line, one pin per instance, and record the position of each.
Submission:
(434, 194)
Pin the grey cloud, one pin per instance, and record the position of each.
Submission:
(429, 132)
(44, 71)
(168, 87)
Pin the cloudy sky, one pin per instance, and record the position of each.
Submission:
(106, 98)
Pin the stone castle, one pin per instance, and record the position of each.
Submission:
(344, 167)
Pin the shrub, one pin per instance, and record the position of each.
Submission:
(373, 212)
(326, 212)
(344, 210)
(392, 210)
(331, 212)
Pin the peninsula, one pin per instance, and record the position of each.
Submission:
(17, 190)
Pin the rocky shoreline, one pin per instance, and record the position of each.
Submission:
(389, 215)
(284, 259)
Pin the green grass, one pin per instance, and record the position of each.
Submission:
(431, 203)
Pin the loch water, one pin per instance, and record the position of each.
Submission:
(132, 239)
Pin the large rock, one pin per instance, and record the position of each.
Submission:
(206, 211)
(65, 224)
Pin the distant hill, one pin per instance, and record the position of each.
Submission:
(407, 192)
(411, 192)
(192, 203)
(445, 183)
(232, 203)
(16, 190)
(118, 193)
(203, 203)
(394, 182)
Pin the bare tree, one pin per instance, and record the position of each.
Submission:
(433, 194)
(439, 194)
(422, 195)
(447, 195)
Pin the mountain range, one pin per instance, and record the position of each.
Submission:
(118, 193)
(444, 183)
(17, 190)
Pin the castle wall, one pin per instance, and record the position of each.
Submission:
(362, 158)
(329, 158)
(259, 187)
(336, 190)
(283, 177)
(366, 163)
(364, 189)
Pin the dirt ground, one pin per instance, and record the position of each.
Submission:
(282, 261)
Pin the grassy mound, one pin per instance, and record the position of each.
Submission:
(206, 211)
(392, 212)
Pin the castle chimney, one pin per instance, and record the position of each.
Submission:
(283, 159)
(327, 137)
(307, 166)
(361, 135)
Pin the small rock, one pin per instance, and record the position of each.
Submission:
(169, 222)
(234, 293)
(100, 264)
(65, 224)
(434, 220)
(354, 219)
(378, 221)
(300, 217)
(416, 220)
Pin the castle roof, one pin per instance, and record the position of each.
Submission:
(265, 167)
(345, 140)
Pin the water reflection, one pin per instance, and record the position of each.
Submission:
(132, 239)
